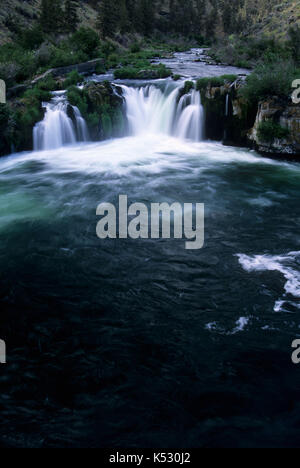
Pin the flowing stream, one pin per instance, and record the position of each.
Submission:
(141, 342)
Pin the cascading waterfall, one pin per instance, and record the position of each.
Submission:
(190, 123)
(227, 106)
(57, 129)
(82, 129)
(149, 110)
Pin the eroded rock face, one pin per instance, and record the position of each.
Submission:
(287, 115)
(228, 117)
(240, 124)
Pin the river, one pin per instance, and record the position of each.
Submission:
(142, 343)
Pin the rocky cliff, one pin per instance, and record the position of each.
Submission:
(271, 128)
(283, 114)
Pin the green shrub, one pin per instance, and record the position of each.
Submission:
(269, 130)
(62, 57)
(107, 48)
(247, 52)
(86, 40)
(72, 79)
(136, 47)
(6, 128)
(215, 81)
(176, 77)
(274, 79)
(294, 33)
(100, 69)
(9, 72)
(31, 38)
(37, 94)
(229, 78)
(113, 60)
(78, 98)
(47, 84)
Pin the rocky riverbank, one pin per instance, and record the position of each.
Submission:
(272, 127)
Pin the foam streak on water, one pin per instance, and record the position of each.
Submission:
(285, 264)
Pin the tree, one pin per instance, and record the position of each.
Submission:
(146, 16)
(123, 17)
(71, 19)
(294, 33)
(51, 17)
(108, 18)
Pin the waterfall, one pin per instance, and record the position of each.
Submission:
(57, 129)
(227, 106)
(191, 120)
(150, 110)
(82, 129)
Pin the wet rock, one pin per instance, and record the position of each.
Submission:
(287, 115)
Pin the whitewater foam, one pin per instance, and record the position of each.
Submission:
(286, 265)
(149, 110)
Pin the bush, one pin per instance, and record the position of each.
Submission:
(107, 48)
(215, 81)
(136, 47)
(268, 131)
(273, 79)
(6, 128)
(78, 98)
(294, 34)
(37, 95)
(87, 41)
(112, 61)
(31, 38)
(176, 77)
(73, 78)
(47, 84)
(30, 111)
(9, 72)
(63, 57)
(247, 52)
(100, 69)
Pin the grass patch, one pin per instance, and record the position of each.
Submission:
(215, 82)
(268, 131)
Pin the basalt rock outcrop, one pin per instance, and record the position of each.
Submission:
(285, 114)
(233, 120)
(227, 116)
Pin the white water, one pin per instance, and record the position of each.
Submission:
(57, 128)
(227, 106)
(148, 109)
(152, 111)
(286, 265)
